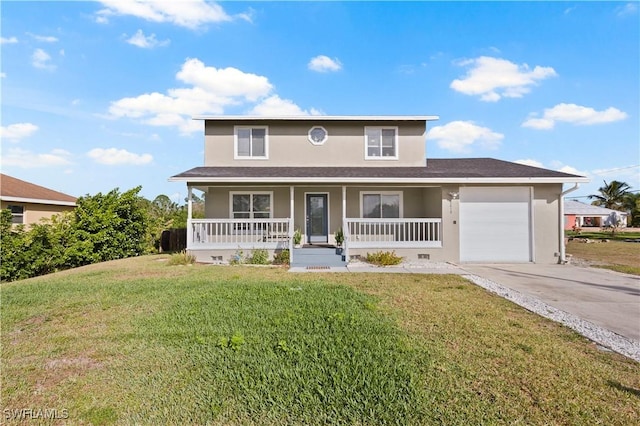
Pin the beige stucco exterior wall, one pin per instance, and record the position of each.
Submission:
(546, 223)
(419, 201)
(34, 213)
(288, 144)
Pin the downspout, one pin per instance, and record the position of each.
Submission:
(563, 257)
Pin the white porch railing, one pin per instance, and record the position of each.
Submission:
(238, 233)
(394, 233)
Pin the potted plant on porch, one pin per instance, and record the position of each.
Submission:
(297, 238)
(339, 237)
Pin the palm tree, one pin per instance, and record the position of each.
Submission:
(612, 195)
(632, 205)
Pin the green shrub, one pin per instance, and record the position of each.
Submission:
(281, 258)
(182, 258)
(384, 258)
(258, 257)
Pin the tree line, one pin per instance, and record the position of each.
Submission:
(102, 227)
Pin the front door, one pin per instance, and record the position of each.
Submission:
(317, 219)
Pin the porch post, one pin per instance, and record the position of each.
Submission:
(291, 222)
(189, 216)
(344, 223)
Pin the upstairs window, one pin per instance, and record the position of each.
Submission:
(17, 214)
(381, 143)
(251, 143)
(381, 205)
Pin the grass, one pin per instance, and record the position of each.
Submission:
(138, 341)
(615, 254)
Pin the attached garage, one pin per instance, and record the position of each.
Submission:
(495, 224)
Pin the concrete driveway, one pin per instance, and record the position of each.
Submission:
(605, 298)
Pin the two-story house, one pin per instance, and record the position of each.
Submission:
(266, 177)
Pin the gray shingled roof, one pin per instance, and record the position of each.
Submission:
(436, 168)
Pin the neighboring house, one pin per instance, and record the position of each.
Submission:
(583, 215)
(263, 178)
(31, 203)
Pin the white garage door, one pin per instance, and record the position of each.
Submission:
(495, 224)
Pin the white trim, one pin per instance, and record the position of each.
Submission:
(384, 180)
(252, 193)
(396, 142)
(318, 118)
(250, 157)
(38, 201)
(399, 193)
(306, 237)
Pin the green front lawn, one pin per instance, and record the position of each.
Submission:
(138, 341)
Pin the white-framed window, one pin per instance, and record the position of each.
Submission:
(380, 204)
(17, 214)
(251, 142)
(251, 205)
(381, 143)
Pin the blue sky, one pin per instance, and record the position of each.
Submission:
(98, 95)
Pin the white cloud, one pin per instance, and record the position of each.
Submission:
(460, 136)
(15, 132)
(41, 59)
(555, 165)
(626, 10)
(224, 81)
(530, 162)
(574, 114)
(114, 157)
(324, 63)
(17, 157)
(559, 166)
(10, 40)
(189, 14)
(44, 39)
(212, 91)
(275, 106)
(146, 42)
(494, 78)
(3, 74)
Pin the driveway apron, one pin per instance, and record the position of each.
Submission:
(605, 298)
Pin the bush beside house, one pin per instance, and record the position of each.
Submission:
(103, 227)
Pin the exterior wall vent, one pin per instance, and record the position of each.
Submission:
(425, 256)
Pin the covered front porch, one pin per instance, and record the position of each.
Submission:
(368, 218)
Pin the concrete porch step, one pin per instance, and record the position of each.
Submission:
(317, 256)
